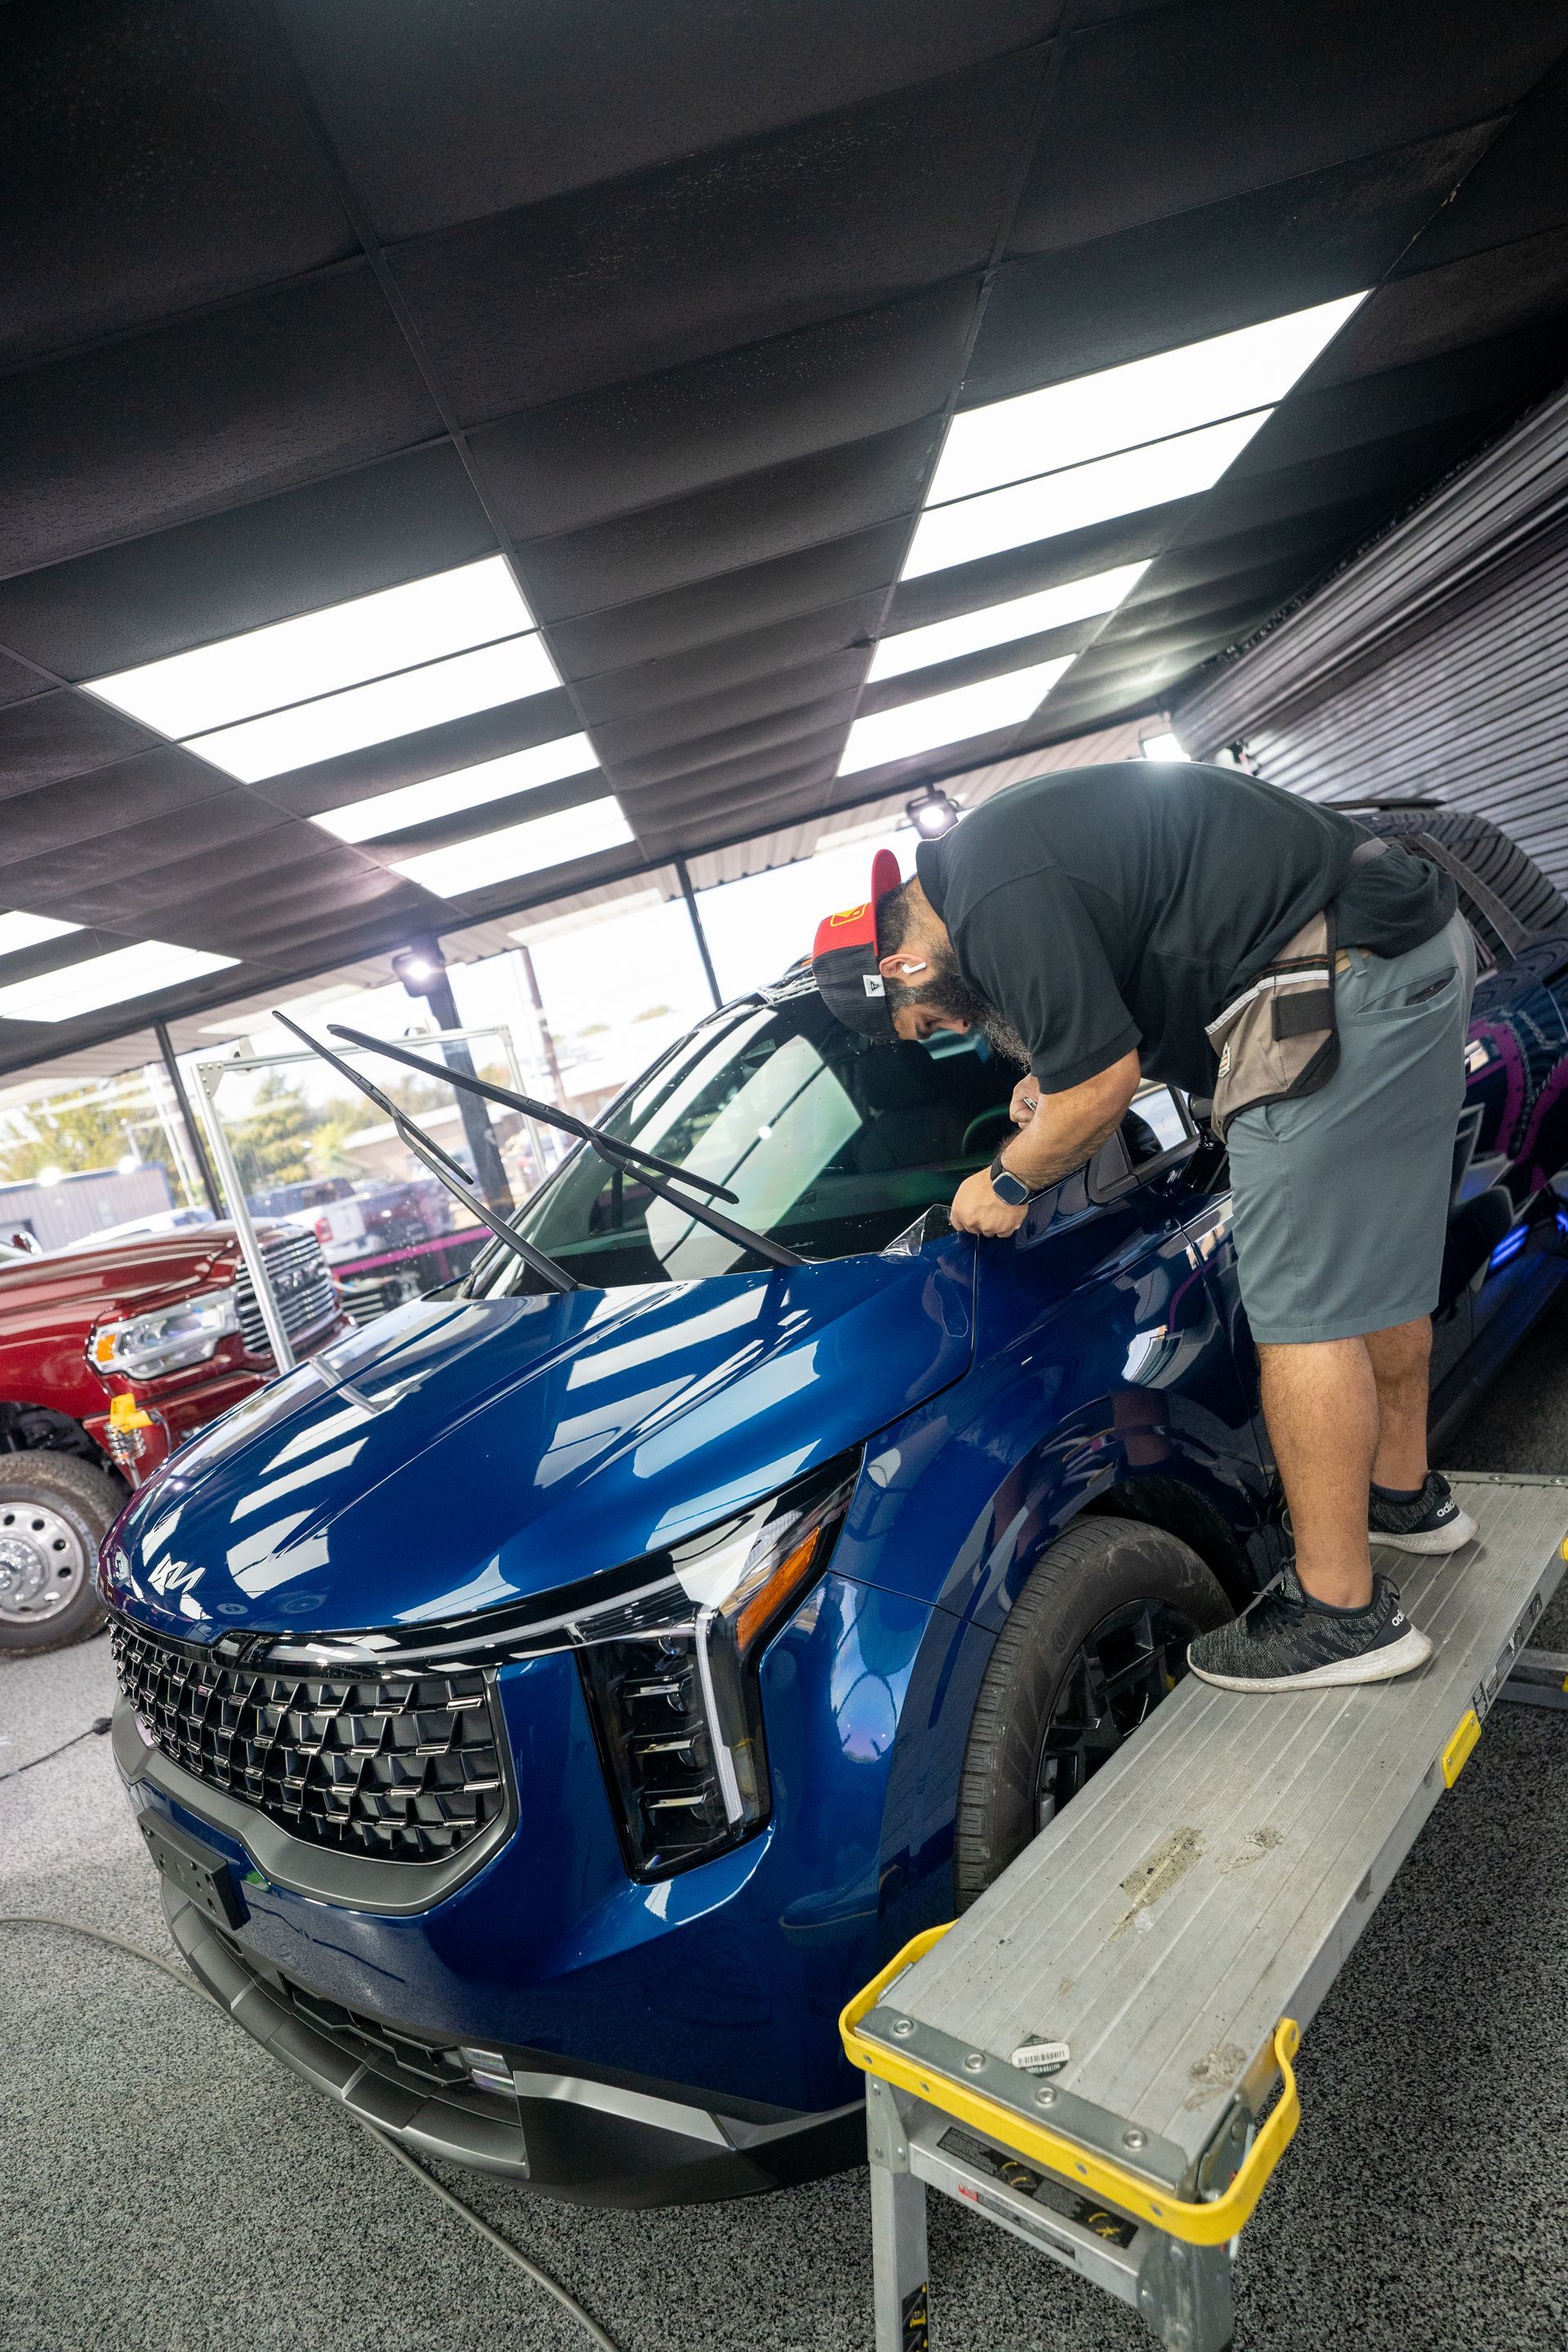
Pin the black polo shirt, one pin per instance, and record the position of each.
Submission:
(1104, 909)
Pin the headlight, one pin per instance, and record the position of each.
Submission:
(672, 1675)
(145, 1345)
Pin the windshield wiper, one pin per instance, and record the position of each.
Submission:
(625, 1157)
(440, 1163)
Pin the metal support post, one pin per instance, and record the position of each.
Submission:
(901, 2268)
(483, 1149)
(1538, 1678)
(690, 894)
(183, 1103)
(1185, 2294)
(211, 1074)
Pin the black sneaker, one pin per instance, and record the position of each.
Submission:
(1285, 1641)
(1432, 1521)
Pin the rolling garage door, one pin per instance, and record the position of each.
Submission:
(1430, 668)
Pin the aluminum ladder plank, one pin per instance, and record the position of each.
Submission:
(1216, 1872)
(1171, 1930)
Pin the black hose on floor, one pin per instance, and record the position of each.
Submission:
(410, 2163)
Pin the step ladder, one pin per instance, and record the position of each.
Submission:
(1097, 2057)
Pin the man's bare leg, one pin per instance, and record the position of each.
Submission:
(1401, 1362)
(1320, 1402)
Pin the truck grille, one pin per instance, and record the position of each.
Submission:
(405, 1768)
(302, 1283)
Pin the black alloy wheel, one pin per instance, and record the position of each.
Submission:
(1130, 1661)
(1095, 1641)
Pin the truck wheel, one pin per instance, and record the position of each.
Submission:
(54, 1513)
(1097, 1638)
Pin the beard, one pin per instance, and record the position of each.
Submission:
(950, 993)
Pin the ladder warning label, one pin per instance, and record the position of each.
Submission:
(1114, 2228)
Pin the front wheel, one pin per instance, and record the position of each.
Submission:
(1097, 1638)
(55, 1511)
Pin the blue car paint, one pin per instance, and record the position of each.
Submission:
(494, 1449)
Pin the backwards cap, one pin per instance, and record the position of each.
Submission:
(844, 958)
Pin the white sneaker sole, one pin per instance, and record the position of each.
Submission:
(1401, 1657)
(1460, 1530)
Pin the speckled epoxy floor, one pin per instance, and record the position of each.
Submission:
(165, 2188)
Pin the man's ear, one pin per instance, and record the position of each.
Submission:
(901, 966)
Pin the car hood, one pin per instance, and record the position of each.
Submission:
(457, 1456)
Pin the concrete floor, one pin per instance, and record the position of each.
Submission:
(165, 2188)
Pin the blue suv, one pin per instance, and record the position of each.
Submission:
(549, 1705)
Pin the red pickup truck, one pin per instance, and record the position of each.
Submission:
(110, 1358)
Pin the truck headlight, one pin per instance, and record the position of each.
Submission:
(671, 1676)
(145, 1345)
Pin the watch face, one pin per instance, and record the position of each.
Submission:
(1009, 1187)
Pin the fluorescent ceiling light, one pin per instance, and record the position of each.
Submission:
(1162, 747)
(1083, 495)
(319, 653)
(1095, 416)
(998, 624)
(374, 714)
(17, 931)
(949, 717)
(528, 848)
(103, 980)
(465, 788)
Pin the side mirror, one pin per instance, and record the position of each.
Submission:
(1157, 1134)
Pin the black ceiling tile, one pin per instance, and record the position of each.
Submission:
(19, 681)
(1305, 542)
(312, 900)
(130, 863)
(174, 898)
(662, 437)
(729, 529)
(1183, 106)
(706, 818)
(1518, 188)
(683, 723)
(1466, 301)
(445, 115)
(494, 816)
(62, 734)
(1178, 281)
(229, 405)
(1479, 380)
(1392, 468)
(992, 661)
(777, 734)
(786, 589)
(268, 560)
(154, 159)
(731, 665)
(1195, 604)
(429, 751)
(1045, 563)
(161, 784)
(842, 213)
(746, 768)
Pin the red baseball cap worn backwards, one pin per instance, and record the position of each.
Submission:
(844, 958)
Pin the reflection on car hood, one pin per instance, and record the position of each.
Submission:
(456, 1456)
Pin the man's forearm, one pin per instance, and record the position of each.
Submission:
(1049, 1148)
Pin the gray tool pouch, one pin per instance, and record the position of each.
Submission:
(1277, 1038)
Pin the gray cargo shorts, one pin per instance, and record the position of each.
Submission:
(1341, 1196)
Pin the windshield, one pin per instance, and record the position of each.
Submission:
(830, 1143)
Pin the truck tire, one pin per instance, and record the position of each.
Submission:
(1096, 1639)
(55, 1511)
(1508, 871)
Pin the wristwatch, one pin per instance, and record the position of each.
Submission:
(1010, 1188)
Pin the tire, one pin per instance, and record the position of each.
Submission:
(1112, 1596)
(1509, 872)
(55, 1511)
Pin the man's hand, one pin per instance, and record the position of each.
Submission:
(1025, 1101)
(976, 1210)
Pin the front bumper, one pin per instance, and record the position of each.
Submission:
(580, 2138)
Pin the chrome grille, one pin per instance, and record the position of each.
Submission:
(405, 1768)
(302, 1283)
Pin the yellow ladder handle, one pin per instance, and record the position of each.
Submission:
(1206, 2224)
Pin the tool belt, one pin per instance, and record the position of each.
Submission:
(1279, 1038)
